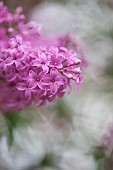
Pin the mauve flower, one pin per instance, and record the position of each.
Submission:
(35, 80)
(46, 96)
(56, 61)
(15, 42)
(60, 93)
(53, 80)
(15, 58)
(41, 61)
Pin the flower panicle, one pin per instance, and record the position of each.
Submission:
(33, 70)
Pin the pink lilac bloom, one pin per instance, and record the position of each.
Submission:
(41, 61)
(53, 80)
(35, 79)
(34, 70)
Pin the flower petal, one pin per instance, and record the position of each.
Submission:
(13, 42)
(33, 84)
(59, 59)
(12, 77)
(53, 88)
(45, 68)
(28, 94)
(32, 74)
(2, 66)
(52, 98)
(60, 94)
(20, 56)
(40, 85)
(13, 52)
(21, 86)
(46, 81)
(42, 56)
(1, 57)
(59, 66)
(54, 50)
(77, 70)
(19, 39)
(59, 80)
(43, 103)
(9, 61)
(36, 63)
(53, 58)
(54, 73)
(19, 65)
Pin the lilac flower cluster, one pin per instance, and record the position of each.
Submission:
(33, 69)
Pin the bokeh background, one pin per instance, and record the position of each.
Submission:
(70, 134)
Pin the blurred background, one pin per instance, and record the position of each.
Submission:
(70, 134)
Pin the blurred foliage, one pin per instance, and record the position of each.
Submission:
(16, 119)
(99, 157)
(104, 162)
(109, 162)
(49, 160)
(2, 125)
(63, 110)
(99, 153)
(109, 67)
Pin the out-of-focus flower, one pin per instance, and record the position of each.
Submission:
(107, 139)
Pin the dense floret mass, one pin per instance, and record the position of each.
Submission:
(33, 69)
